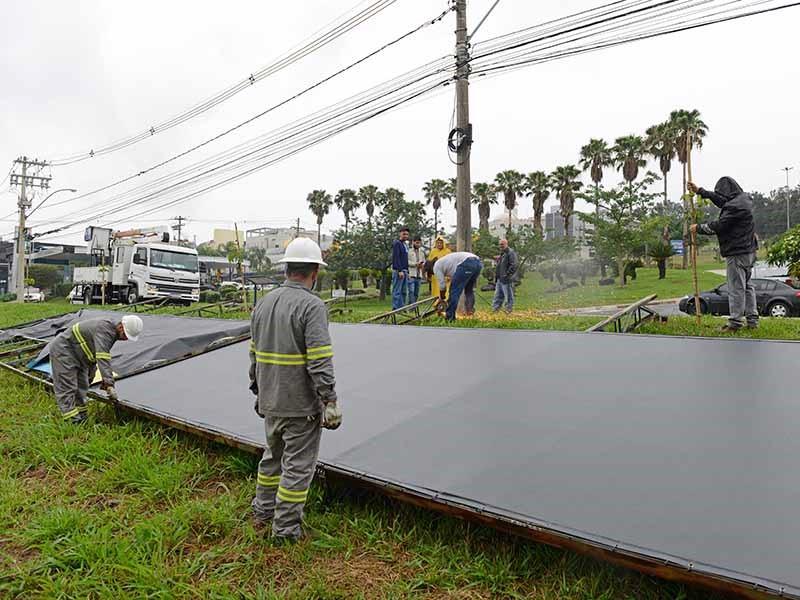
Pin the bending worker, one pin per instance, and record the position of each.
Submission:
(76, 352)
(291, 373)
(735, 230)
(463, 270)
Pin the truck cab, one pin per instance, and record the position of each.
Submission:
(159, 271)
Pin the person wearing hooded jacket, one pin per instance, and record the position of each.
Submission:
(735, 230)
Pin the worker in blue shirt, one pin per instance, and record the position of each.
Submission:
(400, 269)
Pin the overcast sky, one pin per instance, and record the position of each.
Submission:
(78, 74)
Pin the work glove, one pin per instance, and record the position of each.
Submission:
(254, 387)
(111, 391)
(255, 408)
(332, 416)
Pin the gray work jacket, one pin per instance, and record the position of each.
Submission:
(91, 342)
(291, 357)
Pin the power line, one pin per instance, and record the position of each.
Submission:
(250, 120)
(318, 42)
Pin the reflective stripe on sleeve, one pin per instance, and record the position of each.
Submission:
(103, 356)
(320, 352)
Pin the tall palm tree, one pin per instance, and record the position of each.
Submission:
(537, 187)
(368, 197)
(511, 184)
(565, 183)
(596, 156)
(661, 142)
(629, 152)
(347, 201)
(392, 195)
(435, 191)
(690, 131)
(484, 195)
(319, 202)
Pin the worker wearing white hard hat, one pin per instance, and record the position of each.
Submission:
(291, 374)
(78, 351)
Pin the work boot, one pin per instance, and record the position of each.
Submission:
(752, 325)
(729, 328)
(307, 533)
(260, 522)
(79, 419)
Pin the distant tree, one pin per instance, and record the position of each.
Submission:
(537, 187)
(596, 156)
(369, 197)
(511, 184)
(45, 277)
(319, 203)
(786, 251)
(690, 130)
(629, 152)
(529, 246)
(624, 224)
(484, 195)
(348, 202)
(259, 261)
(435, 191)
(370, 246)
(209, 249)
(661, 144)
(565, 183)
(392, 196)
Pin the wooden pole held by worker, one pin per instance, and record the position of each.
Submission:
(693, 243)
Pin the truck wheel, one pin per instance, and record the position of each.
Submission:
(87, 296)
(133, 295)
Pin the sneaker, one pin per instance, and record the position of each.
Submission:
(752, 325)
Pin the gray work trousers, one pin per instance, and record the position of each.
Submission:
(741, 293)
(71, 379)
(285, 472)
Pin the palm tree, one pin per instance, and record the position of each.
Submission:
(661, 142)
(435, 191)
(537, 187)
(511, 184)
(391, 196)
(484, 195)
(564, 182)
(629, 152)
(348, 202)
(319, 202)
(368, 197)
(690, 131)
(596, 156)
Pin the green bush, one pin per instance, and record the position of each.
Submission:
(210, 296)
(8, 297)
(45, 277)
(62, 290)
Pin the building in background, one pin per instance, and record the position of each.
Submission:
(499, 226)
(222, 237)
(578, 229)
(275, 239)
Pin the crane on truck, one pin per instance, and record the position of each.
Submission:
(137, 264)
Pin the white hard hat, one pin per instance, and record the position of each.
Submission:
(132, 326)
(303, 250)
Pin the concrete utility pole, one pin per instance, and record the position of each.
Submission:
(24, 181)
(788, 221)
(297, 229)
(181, 220)
(461, 138)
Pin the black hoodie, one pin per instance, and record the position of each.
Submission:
(735, 227)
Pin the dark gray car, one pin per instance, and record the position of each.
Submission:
(773, 298)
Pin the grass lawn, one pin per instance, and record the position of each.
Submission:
(133, 509)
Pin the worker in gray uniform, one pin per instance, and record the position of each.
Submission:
(291, 373)
(77, 351)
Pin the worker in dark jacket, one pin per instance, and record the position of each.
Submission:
(735, 230)
(400, 269)
(77, 351)
(505, 270)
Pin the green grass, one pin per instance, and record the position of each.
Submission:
(133, 509)
(769, 329)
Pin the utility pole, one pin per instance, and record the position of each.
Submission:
(297, 229)
(24, 181)
(461, 137)
(181, 220)
(788, 221)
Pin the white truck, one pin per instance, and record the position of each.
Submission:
(135, 265)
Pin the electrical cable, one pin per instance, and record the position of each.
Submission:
(293, 56)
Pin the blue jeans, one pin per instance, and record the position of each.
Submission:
(413, 289)
(463, 281)
(503, 292)
(399, 289)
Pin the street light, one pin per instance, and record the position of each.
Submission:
(38, 206)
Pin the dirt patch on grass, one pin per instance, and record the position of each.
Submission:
(12, 554)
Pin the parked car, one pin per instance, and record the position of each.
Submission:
(773, 298)
(34, 295)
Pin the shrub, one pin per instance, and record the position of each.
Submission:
(8, 297)
(62, 290)
(210, 296)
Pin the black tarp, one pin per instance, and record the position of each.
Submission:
(683, 451)
(164, 338)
